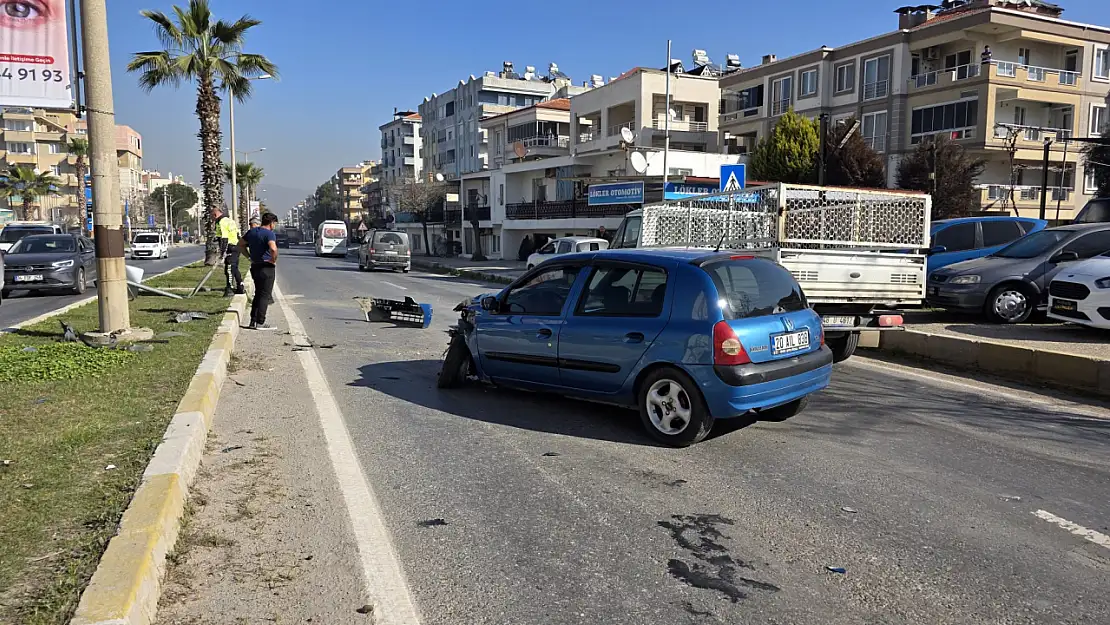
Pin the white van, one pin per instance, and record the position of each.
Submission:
(331, 239)
(150, 245)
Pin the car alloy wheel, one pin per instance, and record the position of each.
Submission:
(669, 407)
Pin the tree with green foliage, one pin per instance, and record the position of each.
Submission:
(247, 177)
(856, 164)
(1096, 158)
(328, 204)
(953, 190)
(29, 185)
(179, 198)
(208, 52)
(789, 153)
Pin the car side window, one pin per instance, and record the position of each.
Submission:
(548, 249)
(956, 238)
(564, 247)
(589, 247)
(624, 292)
(1000, 232)
(543, 295)
(1090, 245)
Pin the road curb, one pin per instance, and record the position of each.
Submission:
(127, 584)
(1020, 364)
(68, 307)
(436, 267)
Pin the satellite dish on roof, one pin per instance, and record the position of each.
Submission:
(439, 177)
(626, 134)
(519, 149)
(639, 162)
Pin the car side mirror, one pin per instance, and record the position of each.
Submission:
(1064, 257)
(937, 249)
(489, 303)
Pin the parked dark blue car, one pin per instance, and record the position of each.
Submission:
(966, 238)
(686, 336)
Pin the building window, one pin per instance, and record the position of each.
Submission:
(18, 125)
(1102, 64)
(807, 83)
(845, 78)
(55, 170)
(1090, 185)
(874, 131)
(1098, 120)
(957, 118)
(876, 78)
(21, 148)
(55, 148)
(781, 95)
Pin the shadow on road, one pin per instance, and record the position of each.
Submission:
(334, 268)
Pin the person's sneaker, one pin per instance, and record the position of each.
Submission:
(240, 291)
(262, 326)
(227, 292)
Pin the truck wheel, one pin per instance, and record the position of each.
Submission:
(456, 364)
(785, 411)
(843, 347)
(672, 408)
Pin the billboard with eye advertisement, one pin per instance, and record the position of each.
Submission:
(34, 54)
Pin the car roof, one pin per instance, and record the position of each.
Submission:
(578, 238)
(1082, 227)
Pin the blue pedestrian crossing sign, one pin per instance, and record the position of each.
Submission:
(733, 177)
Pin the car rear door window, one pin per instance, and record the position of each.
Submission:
(957, 238)
(1090, 245)
(624, 291)
(589, 247)
(543, 295)
(564, 247)
(1000, 232)
(754, 288)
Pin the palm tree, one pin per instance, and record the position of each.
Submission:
(208, 52)
(247, 176)
(29, 185)
(79, 147)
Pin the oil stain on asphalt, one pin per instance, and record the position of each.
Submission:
(711, 566)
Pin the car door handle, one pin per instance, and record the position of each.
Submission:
(543, 333)
(634, 337)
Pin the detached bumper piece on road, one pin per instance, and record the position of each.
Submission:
(403, 313)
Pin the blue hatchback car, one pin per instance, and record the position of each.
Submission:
(966, 238)
(685, 336)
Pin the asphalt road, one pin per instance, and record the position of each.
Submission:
(507, 507)
(23, 305)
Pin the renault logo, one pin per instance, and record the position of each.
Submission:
(29, 268)
(786, 321)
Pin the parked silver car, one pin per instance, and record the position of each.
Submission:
(1010, 284)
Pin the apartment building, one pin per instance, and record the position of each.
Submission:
(543, 158)
(1000, 77)
(402, 147)
(453, 141)
(38, 139)
(349, 182)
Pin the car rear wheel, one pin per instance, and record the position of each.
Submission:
(456, 364)
(1010, 303)
(843, 346)
(785, 411)
(672, 408)
(80, 285)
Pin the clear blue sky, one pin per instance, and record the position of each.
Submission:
(345, 64)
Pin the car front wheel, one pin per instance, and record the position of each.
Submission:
(672, 408)
(456, 364)
(1010, 303)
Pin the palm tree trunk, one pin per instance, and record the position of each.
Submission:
(244, 207)
(82, 203)
(212, 167)
(26, 207)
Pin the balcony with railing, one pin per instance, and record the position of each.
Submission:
(615, 129)
(942, 77)
(550, 145)
(780, 107)
(481, 213)
(1020, 73)
(563, 209)
(441, 216)
(876, 90)
(679, 125)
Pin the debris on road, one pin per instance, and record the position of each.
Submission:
(29, 350)
(849, 509)
(366, 609)
(1009, 497)
(432, 523)
(403, 313)
(227, 450)
(836, 569)
(551, 454)
(186, 317)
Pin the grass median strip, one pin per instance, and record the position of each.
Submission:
(77, 428)
(190, 275)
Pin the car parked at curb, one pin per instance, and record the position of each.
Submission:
(1010, 284)
(1081, 294)
(685, 336)
(46, 262)
(566, 245)
(966, 238)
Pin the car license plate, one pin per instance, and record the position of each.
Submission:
(1064, 305)
(28, 278)
(833, 321)
(790, 342)
(391, 252)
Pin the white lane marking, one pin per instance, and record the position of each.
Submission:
(1095, 412)
(386, 584)
(1097, 538)
(396, 286)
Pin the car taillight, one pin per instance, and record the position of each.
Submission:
(822, 336)
(727, 348)
(890, 321)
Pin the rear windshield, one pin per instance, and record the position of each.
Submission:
(1096, 211)
(335, 233)
(147, 238)
(754, 288)
(11, 234)
(390, 238)
(44, 245)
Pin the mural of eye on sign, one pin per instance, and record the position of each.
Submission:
(34, 54)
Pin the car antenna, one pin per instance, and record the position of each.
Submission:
(720, 242)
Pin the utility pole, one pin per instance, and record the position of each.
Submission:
(823, 154)
(107, 213)
(234, 186)
(1044, 177)
(667, 119)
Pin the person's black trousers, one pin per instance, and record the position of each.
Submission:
(264, 275)
(231, 270)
